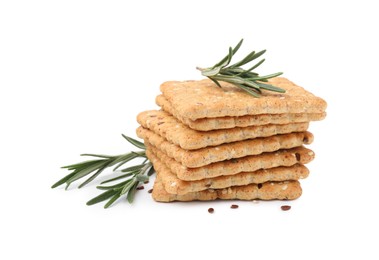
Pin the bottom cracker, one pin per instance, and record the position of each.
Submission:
(287, 190)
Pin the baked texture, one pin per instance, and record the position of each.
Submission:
(285, 157)
(204, 99)
(211, 154)
(207, 124)
(177, 133)
(287, 190)
(174, 185)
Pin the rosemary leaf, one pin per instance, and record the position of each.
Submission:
(97, 155)
(117, 178)
(249, 90)
(266, 76)
(131, 193)
(125, 159)
(244, 60)
(112, 200)
(128, 186)
(114, 187)
(134, 142)
(133, 168)
(234, 50)
(216, 82)
(103, 196)
(92, 177)
(270, 87)
(63, 180)
(256, 66)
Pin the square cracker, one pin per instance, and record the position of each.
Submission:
(287, 190)
(285, 157)
(174, 185)
(211, 154)
(208, 124)
(203, 99)
(177, 133)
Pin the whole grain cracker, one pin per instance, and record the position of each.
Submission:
(287, 190)
(176, 132)
(285, 157)
(204, 99)
(211, 154)
(207, 124)
(174, 185)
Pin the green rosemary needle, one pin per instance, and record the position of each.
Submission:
(247, 80)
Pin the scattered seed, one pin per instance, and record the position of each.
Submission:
(140, 188)
(150, 191)
(285, 207)
(298, 157)
(234, 206)
(259, 185)
(211, 210)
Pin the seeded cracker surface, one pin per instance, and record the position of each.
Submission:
(287, 190)
(207, 124)
(171, 129)
(204, 99)
(285, 157)
(174, 185)
(211, 154)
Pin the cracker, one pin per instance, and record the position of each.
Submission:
(174, 185)
(207, 124)
(201, 99)
(285, 157)
(175, 132)
(287, 190)
(211, 154)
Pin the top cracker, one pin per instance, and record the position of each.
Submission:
(204, 99)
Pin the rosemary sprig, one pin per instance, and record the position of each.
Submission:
(135, 174)
(97, 166)
(247, 80)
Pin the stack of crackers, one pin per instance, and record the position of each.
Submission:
(210, 143)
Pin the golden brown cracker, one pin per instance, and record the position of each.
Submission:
(207, 124)
(211, 154)
(287, 190)
(174, 185)
(177, 133)
(204, 99)
(285, 157)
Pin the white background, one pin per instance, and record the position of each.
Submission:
(74, 75)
